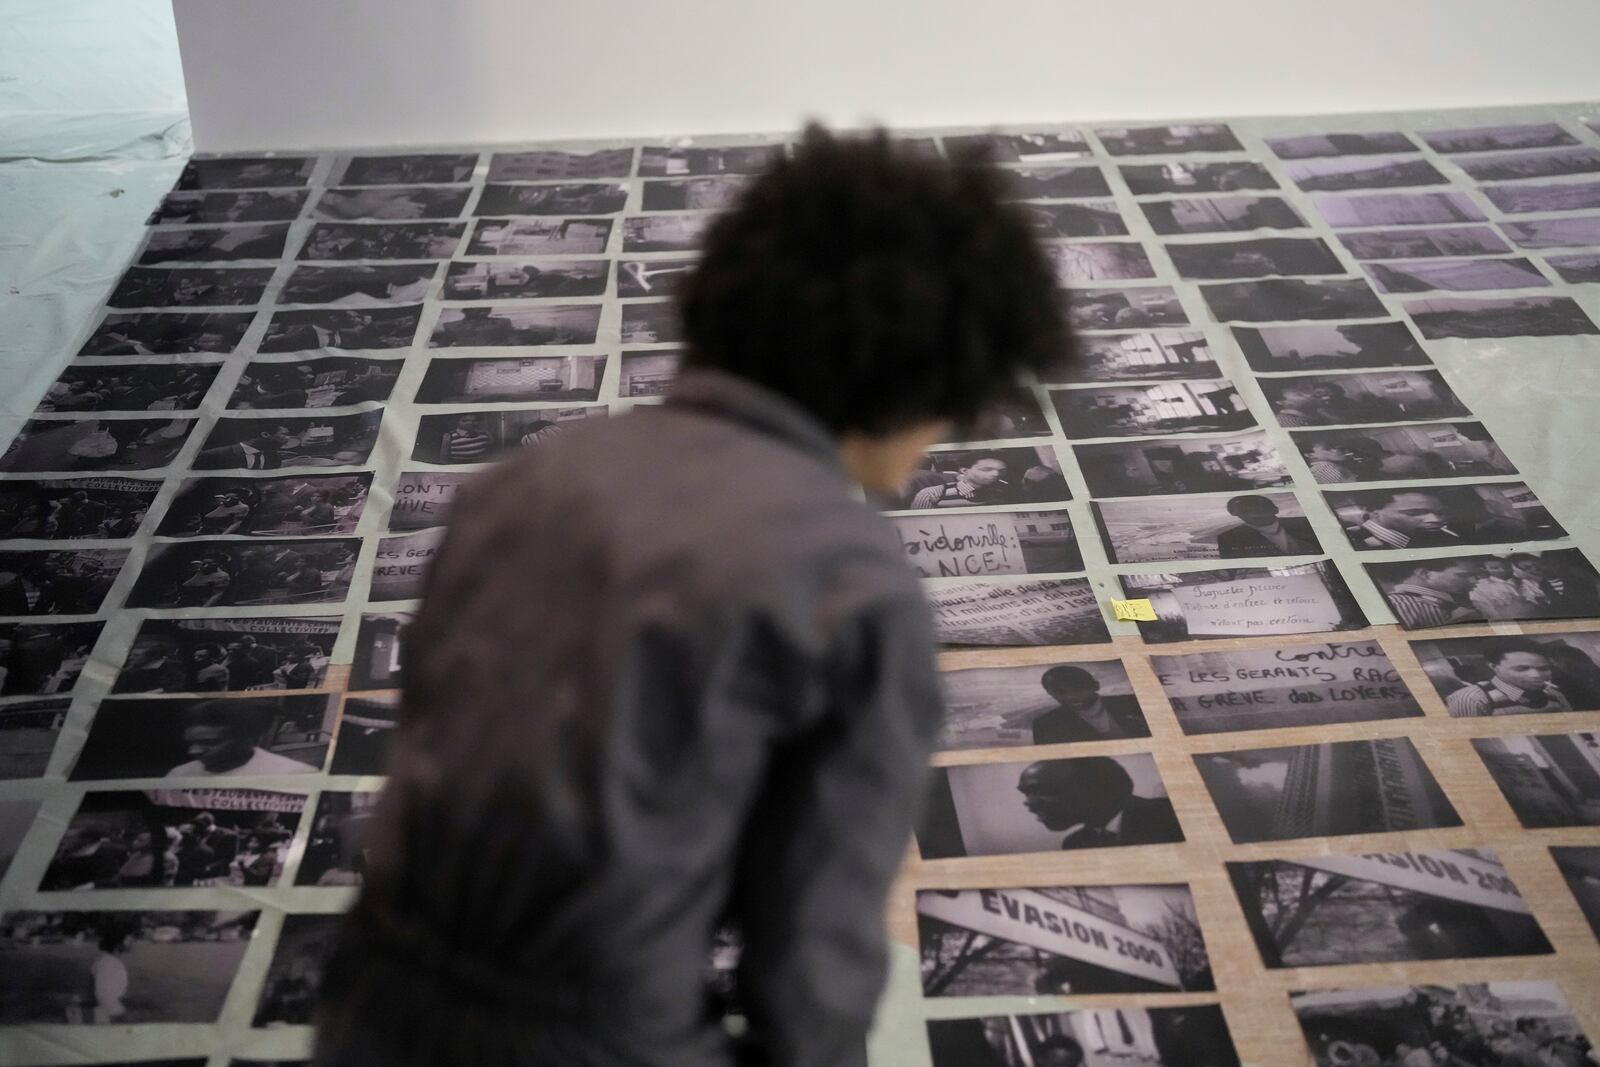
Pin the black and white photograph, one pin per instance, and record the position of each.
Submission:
(1385, 907)
(358, 283)
(378, 653)
(409, 169)
(257, 172)
(1099, 261)
(652, 323)
(154, 333)
(1384, 453)
(971, 544)
(130, 387)
(1163, 530)
(516, 324)
(64, 582)
(365, 730)
(482, 436)
(1021, 147)
(1273, 299)
(382, 240)
(970, 478)
(232, 654)
(1502, 1024)
(1333, 789)
(1526, 674)
(265, 443)
(1498, 138)
(483, 381)
(392, 203)
(297, 505)
(527, 279)
(1318, 145)
(156, 287)
(1428, 516)
(709, 192)
(1506, 587)
(329, 382)
(653, 277)
(1548, 779)
(648, 374)
(75, 509)
(1258, 258)
(990, 612)
(1524, 197)
(28, 732)
(289, 990)
(212, 573)
(546, 165)
(1231, 176)
(95, 445)
(113, 968)
(664, 161)
(281, 205)
(1372, 396)
(401, 564)
(1578, 269)
(1517, 316)
(336, 850)
(1001, 809)
(1132, 357)
(1307, 598)
(1397, 209)
(1423, 242)
(539, 237)
(1555, 233)
(1135, 308)
(1157, 140)
(1363, 172)
(164, 838)
(1189, 1036)
(664, 233)
(1330, 346)
(422, 499)
(1290, 685)
(1580, 867)
(43, 658)
(1459, 275)
(347, 329)
(1554, 164)
(579, 198)
(222, 244)
(1055, 183)
(207, 737)
(1059, 941)
(1018, 414)
(1080, 218)
(1210, 406)
(1039, 704)
(1221, 214)
(1244, 461)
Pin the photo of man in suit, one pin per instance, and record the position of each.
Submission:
(1082, 713)
(1092, 803)
(1263, 532)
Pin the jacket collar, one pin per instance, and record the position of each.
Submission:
(721, 395)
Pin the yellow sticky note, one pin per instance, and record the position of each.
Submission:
(1133, 611)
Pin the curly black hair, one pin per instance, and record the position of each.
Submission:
(875, 287)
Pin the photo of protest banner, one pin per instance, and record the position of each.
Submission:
(348, 329)
(152, 333)
(1548, 779)
(326, 382)
(1580, 866)
(1385, 907)
(1039, 704)
(268, 443)
(539, 237)
(946, 479)
(95, 445)
(1063, 611)
(264, 205)
(378, 657)
(1135, 357)
(1058, 940)
(1523, 674)
(405, 169)
(336, 850)
(365, 730)
(1437, 516)
(968, 544)
(28, 732)
(483, 436)
(1155, 1037)
(402, 563)
(75, 509)
(1000, 809)
(545, 165)
(529, 279)
(1385, 453)
(1243, 462)
(289, 991)
(1291, 685)
(296, 504)
(1162, 408)
(229, 654)
(61, 582)
(113, 968)
(42, 658)
(1330, 346)
(1556, 583)
(164, 838)
(1220, 214)
(130, 387)
(1204, 527)
(1327, 790)
(1245, 602)
(219, 573)
(422, 499)
(207, 737)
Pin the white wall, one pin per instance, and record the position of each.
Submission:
(322, 73)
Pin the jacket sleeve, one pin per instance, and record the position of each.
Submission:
(828, 835)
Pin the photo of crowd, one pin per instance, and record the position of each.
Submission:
(95, 444)
(255, 172)
(267, 205)
(230, 654)
(156, 287)
(527, 280)
(39, 658)
(341, 328)
(1448, 590)
(147, 333)
(392, 202)
(358, 283)
(590, 198)
(215, 573)
(327, 382)
(382, 240)
(409, 169)
(136, 387)
(75, 509)
(222, 244)
(65, 582)
(271, 443)
(295, 505)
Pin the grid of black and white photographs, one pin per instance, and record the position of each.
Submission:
(218, 518)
